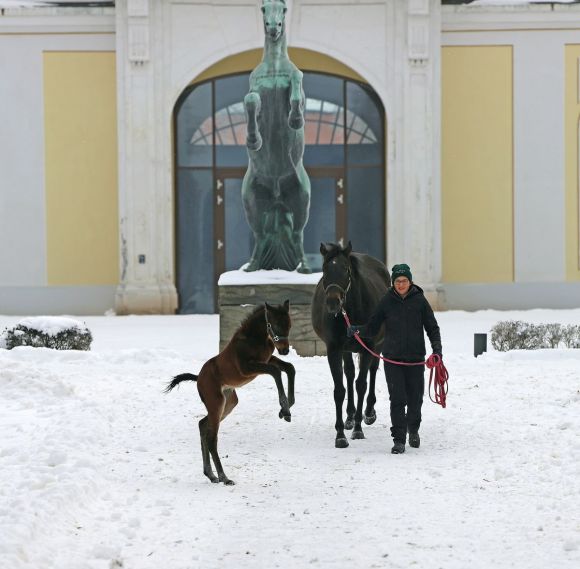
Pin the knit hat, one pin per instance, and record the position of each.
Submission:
(401, 270)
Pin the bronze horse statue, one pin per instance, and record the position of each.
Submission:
(276, 187)
(355, 283)
(248, 354)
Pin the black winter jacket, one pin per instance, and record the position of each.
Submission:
(404, 320)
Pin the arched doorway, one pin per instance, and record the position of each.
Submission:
(344, 157)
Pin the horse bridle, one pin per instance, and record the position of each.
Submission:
(344, 291)
(273, 336)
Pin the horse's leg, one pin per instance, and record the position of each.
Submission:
(296, 196)
(207, 470)
(253, 103)
(361, 388)
(296, 116)
(274, 371)
(349, 373)
(370, 415)
(256, 198)
(335, 362)
(210, 391)
(290, 371)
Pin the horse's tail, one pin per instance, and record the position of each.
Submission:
(178, 379)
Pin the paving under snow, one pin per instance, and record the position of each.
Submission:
(100, 470)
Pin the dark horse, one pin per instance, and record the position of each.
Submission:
(248, 354)
(353, 282)
(276, 187)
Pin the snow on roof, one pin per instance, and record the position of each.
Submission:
(267, 277)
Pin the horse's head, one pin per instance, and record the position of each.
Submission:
(336, 275)
(274, 12)
(278, 325)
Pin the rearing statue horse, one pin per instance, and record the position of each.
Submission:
(276, 187)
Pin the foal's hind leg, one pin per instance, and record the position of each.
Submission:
(370, 415)
(207, 470)
(349, 372)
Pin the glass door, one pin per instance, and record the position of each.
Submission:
(327, 221)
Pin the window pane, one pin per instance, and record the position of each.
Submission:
(239, 240)
(366, 209)
(321, 226)
(323, 127)
(364, 126)
(195, 241)
(194, 128)
(231, 120)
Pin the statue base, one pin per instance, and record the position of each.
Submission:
(240, 292)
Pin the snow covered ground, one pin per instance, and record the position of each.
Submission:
(100, 470)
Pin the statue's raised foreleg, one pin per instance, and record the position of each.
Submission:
(252, 104)
(296, 116)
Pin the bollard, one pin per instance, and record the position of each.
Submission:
(479, 344)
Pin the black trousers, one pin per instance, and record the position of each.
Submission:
(406, 388)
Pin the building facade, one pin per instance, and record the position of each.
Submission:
(446, 137)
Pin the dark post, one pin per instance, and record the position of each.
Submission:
(479, 344)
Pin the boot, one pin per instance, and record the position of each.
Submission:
(414, 440)
(398, 448)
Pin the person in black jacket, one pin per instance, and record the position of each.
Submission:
(405, 312)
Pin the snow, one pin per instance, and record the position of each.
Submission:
(274, 276)
(52, 325)
(99, 469)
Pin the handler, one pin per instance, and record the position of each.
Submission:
(404, 311)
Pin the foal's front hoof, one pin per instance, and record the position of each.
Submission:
(228, 482)
(349, 424)
(357, 435)
(370, 418)
(341, 442)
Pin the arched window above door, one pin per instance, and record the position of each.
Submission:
(344, 157)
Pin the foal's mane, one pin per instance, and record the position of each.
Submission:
(250, 319)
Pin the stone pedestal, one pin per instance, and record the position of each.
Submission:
(236, 301)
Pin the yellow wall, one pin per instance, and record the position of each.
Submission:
(477, 164)
(81, 168)
(303, 58)
(572, 132)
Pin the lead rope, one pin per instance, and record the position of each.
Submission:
(438, 374)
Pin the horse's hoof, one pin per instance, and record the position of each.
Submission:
(341, 443)
(357, 435)
(228, 482)
(286, 416)
(303, 268)
(295, 123)
(370, 419)
(254, 142)
(349, 424)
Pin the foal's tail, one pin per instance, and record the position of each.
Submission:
(178, 379)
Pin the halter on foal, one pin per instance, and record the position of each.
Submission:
(248, 354)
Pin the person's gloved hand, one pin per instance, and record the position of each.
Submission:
(351, 331)
(439, 352)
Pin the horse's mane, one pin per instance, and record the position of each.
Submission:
(251, 318)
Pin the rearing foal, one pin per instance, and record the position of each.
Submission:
(248, 354)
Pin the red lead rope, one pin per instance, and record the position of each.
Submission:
(438, 375)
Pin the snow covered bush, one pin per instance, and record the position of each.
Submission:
(518, 335)
(571, 336)
(48, 332)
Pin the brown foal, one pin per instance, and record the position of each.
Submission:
(248, 354)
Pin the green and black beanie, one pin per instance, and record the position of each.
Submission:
(401, 270)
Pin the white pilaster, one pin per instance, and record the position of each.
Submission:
(415, 209)
(147, 284)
